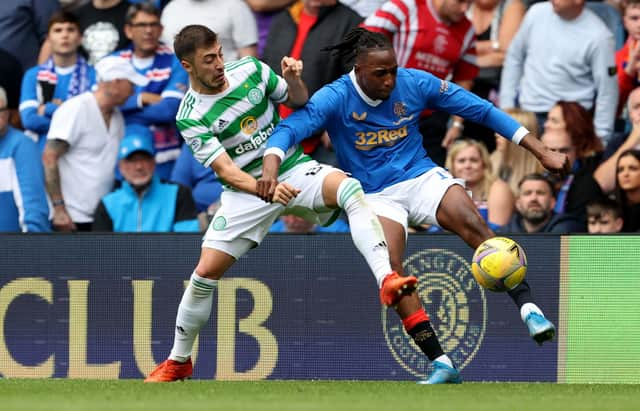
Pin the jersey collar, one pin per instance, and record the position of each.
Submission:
(369, 101)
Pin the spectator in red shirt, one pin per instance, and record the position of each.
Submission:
(628, 57)
(435, 36)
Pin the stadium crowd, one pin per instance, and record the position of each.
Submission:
(90, 89)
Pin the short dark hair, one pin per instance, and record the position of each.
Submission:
(359, 41)
(62, 16)
(539, 177)
(144, 7)
(191, 38)
(628, 4)
(598, 208)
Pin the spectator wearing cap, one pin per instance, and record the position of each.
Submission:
(23, 202)
(82, 145)
(144, 203)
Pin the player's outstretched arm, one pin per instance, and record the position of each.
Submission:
(230, 173)
(292, 73)
(553, 161)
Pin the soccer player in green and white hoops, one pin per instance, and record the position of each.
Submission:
(226, 118)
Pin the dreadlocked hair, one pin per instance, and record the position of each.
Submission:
(358, 41)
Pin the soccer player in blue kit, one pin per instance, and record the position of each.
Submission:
(371, 115)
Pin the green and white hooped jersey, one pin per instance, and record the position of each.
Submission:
(238, 120)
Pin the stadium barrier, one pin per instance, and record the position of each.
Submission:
(306, 307)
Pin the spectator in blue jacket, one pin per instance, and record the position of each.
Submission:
(144, 203)
(64, 75)
(203, 182)
(156, 104)
(23, 202)
(535, 203)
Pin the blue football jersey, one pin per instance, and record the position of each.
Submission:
(379, 142)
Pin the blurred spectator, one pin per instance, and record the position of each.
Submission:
(628, 189)
(158, 4)
(435, 36)
(294, 224)
(605, 175)
(10, 78)
(628, 57)
(302, 30)
(102, 25)
(82, 145)
(579, 187)
(562, 52)
(144, 203)
(203, 182)
(495, 23)
(365, 8)
(70, 5)
(511, 162)
(611, 16)
(571, 117)
(604, 216)
(23, 201)
(23, 27)
(232, 20)
(156, 104)
(264, 11)
(535, 213)
(469, 160)
(64, 75)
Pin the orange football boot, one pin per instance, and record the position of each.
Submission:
(170, 370)
(394, 287)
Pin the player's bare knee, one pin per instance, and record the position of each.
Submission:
(208, 272)
(331, 187)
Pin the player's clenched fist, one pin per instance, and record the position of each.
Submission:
(284, 193)
(291, 67)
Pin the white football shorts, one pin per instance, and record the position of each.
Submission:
(414, 201)
(243, 220)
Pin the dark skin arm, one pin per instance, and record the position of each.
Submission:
(267, 184)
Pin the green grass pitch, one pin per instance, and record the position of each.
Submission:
(133, 395)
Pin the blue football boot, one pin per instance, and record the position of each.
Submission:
(443, 374)
(540, 329)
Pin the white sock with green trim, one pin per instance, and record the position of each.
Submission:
(529, 308)
(365, 227)
(193, 313)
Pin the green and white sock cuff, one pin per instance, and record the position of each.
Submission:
(347, 189)
(202, 286)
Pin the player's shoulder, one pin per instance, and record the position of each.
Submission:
(341, 86)
(415, 74)
(188, 107)
(246, 62)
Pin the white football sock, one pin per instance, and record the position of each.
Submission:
(529, 308)
(445, 360)
(193, 313)
(366, 230)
